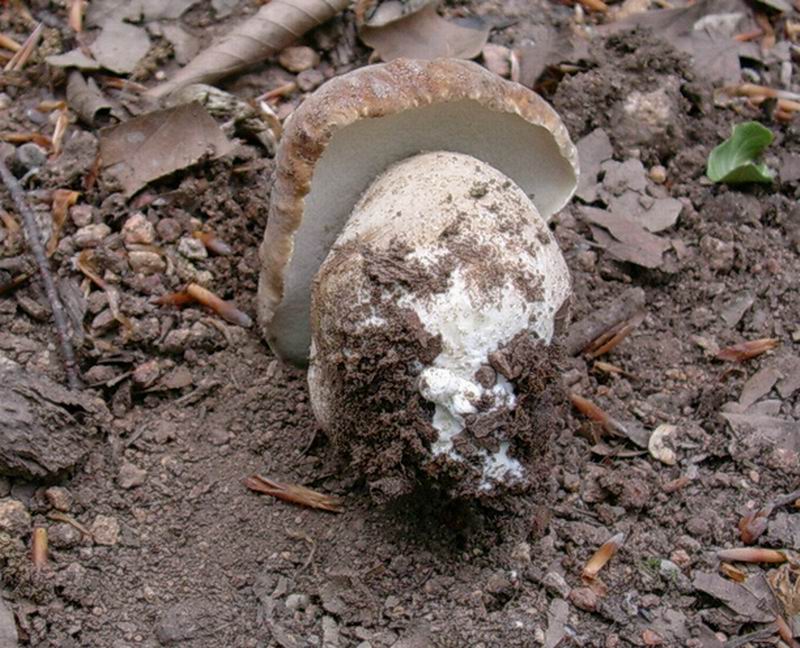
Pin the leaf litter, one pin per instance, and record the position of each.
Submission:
(158, 143)
(416, 30)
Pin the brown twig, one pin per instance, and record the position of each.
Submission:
(602, 556)
(295, 494)
(591, 327)
(22, 55)
(747, 350)
(6, 42)
(39, 548)
(596, 414)
(225, 310)
(213, 243)
(752, 555)
(37, 249)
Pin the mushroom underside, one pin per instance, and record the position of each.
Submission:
(358, 153)
(432, 322)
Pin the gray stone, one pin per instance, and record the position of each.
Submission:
(91, 235)
(63, 536)
(105, 530)
(146, 262)
(31, 156)
(192, 248)
(59, 498)
(130, 475)
(14, 518)
(137, 229)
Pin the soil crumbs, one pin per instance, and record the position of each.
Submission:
(153, 539)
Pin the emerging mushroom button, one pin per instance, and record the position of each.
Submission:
(407, 256)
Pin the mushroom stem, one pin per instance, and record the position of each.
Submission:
(443, 266)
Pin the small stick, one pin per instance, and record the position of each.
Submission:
(37, 249)
(755, 90)
(747, 350)
(213, 243)
(294, 494)
(39, 548)
(280, 91)
(76, 15)
(615, 339)
(596, 414)
(58, 516)
(602, 556)
(583, 332)
(222, 308)
(752, 555)
(19, 59)
(6, 42)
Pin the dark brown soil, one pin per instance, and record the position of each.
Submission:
(181, 553)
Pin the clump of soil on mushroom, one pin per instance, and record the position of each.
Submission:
(382, 423)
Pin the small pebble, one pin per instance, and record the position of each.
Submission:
(59, 498)
(192, 248)
(658, 174)
(298, 58)
(497, 59)
(63, 536)
(31, 156)
(583, 598)
(169, 230)
(81, 215)
(91, 235)
(137, 229)
(309, 80)
(146, 262)
(130, 475)
(14, 518)
(105, 530)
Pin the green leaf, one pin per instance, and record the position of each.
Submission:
(733, 161)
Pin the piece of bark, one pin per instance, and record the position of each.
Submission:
(45, 429)
(581, 333)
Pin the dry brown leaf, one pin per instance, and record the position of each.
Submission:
(86, 266)
(422, 34)
(624, 238)
(63, 199)
(156, 144)
(295, 494)
(85, 98)
(734, 573)
(785, 584)
(120, 46)
(276, 25)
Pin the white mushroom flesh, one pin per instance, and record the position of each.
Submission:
(506, 275)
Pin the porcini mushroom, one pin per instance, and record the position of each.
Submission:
(407, 257)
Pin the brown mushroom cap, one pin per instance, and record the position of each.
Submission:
(356, 125)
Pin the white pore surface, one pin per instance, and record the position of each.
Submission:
(413, 202)
(359, 153)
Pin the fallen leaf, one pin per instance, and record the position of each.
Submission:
(625, 239)
(734, 161)
(158, 143)
(101, 12)
(74, 58)
(544, 48)
(120, 47)
(736, 596)
(184, 45)
(694, 30)
(421, 34)
(273, 27)
(758, 385)
(784, 529)
(785, 584)
(655, 215)
(63, 199)
(85, 98)
(593, 150)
